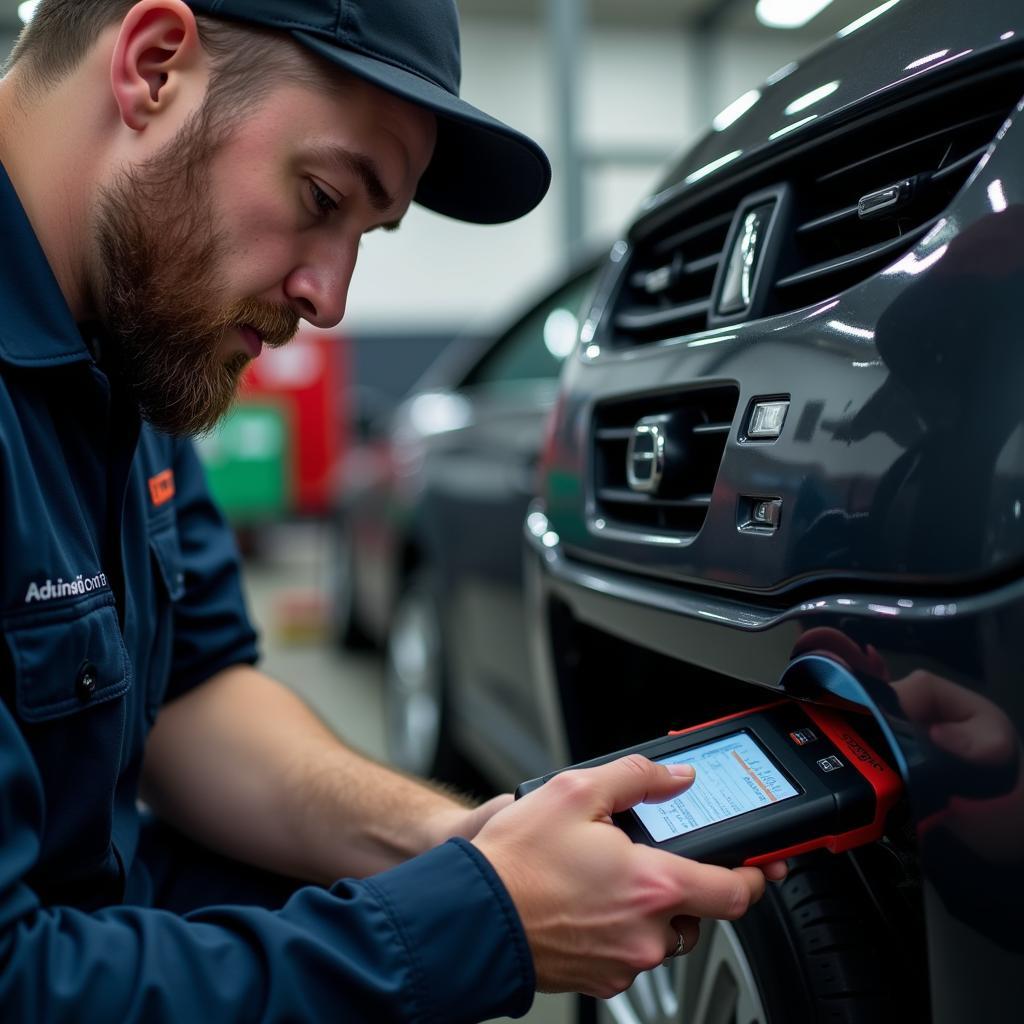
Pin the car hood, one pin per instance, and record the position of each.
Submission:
(894, 45)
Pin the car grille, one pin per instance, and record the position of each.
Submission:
(849, 204)
(696, 426)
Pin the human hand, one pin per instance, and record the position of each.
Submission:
(958, 720)
(597, 908)
(986, 763)
(466, 822)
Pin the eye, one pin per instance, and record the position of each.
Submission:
(323, 203)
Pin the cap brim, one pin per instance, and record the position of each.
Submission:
(482, 171)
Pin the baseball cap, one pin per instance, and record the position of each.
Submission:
(482, 170)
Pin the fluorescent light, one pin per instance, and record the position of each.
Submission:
(703, 172)
(701, 342)
(854, 332)
(791, 127)
(788, 13)
(996, 196)
(921, 61)
(864, 19)
(784, 72)
(812, 97)
(26, 10)
(735, 110)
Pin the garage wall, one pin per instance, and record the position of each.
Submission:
(652, 90)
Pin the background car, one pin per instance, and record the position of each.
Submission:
(428, 561)
(819, 312)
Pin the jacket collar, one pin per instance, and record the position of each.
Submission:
(36, 327)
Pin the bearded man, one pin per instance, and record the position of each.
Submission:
(181, 182)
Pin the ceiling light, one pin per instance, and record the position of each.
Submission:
(865, 19)
(736, 110)
(788, 13)
(26, 10)
(809, 99)
(703, 172)
(921, 61)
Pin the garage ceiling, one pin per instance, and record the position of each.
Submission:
(737, 15)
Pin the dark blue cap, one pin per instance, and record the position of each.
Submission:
(482, 170)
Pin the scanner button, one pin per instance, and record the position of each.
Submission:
(801, 737)
(830, 764)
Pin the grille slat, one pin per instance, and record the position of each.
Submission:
(827, 220)
(870, 254)
(630, 320)
(969, 162)
(617, 495)
(680, 238)
(940, 136)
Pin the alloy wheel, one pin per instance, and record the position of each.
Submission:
(414, 684)
(712, 985)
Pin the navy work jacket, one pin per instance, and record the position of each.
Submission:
(119, 591)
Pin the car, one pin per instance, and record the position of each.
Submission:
(787, 459)
(428, 555)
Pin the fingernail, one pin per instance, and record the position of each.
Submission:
(681, 771)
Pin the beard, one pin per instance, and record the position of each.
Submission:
(157, 293)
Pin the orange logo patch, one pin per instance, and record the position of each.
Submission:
(161, 487)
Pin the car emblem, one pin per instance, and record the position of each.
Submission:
(747, 249)
(645, 457)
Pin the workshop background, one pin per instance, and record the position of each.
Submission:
(612, 89)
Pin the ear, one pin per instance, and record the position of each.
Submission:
(156, 52)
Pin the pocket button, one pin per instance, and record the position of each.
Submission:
(85, 685)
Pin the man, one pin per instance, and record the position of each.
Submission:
(181, 182)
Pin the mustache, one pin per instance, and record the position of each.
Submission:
(276, 324)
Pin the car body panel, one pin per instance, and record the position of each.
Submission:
(900, 469)
(867, 66)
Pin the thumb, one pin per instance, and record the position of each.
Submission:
(634, 779)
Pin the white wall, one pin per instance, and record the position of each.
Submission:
(641, 88)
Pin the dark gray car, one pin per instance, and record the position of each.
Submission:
(788, 455)
(429, 559)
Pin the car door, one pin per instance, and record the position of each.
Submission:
(481, 480)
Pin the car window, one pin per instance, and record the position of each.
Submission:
(535, 348)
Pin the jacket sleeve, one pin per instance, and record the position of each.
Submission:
(212, 630)
(436, 939)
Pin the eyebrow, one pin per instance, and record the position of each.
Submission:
(366, 171)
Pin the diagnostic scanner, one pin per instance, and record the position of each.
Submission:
(771, 783)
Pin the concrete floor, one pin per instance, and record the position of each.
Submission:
(283, 584)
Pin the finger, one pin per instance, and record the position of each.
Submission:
(978, 741)
(629, 781)
(756, 880)
(776, 871)
(705, 890)
(926, 697)
(474, 820)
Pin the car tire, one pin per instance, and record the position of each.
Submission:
(347, 631)
(811, 952)
(416, 685)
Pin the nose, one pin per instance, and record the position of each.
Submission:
(318, 287)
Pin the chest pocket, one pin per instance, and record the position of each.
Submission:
(169, 588)
(71, 671)
(67, 659)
